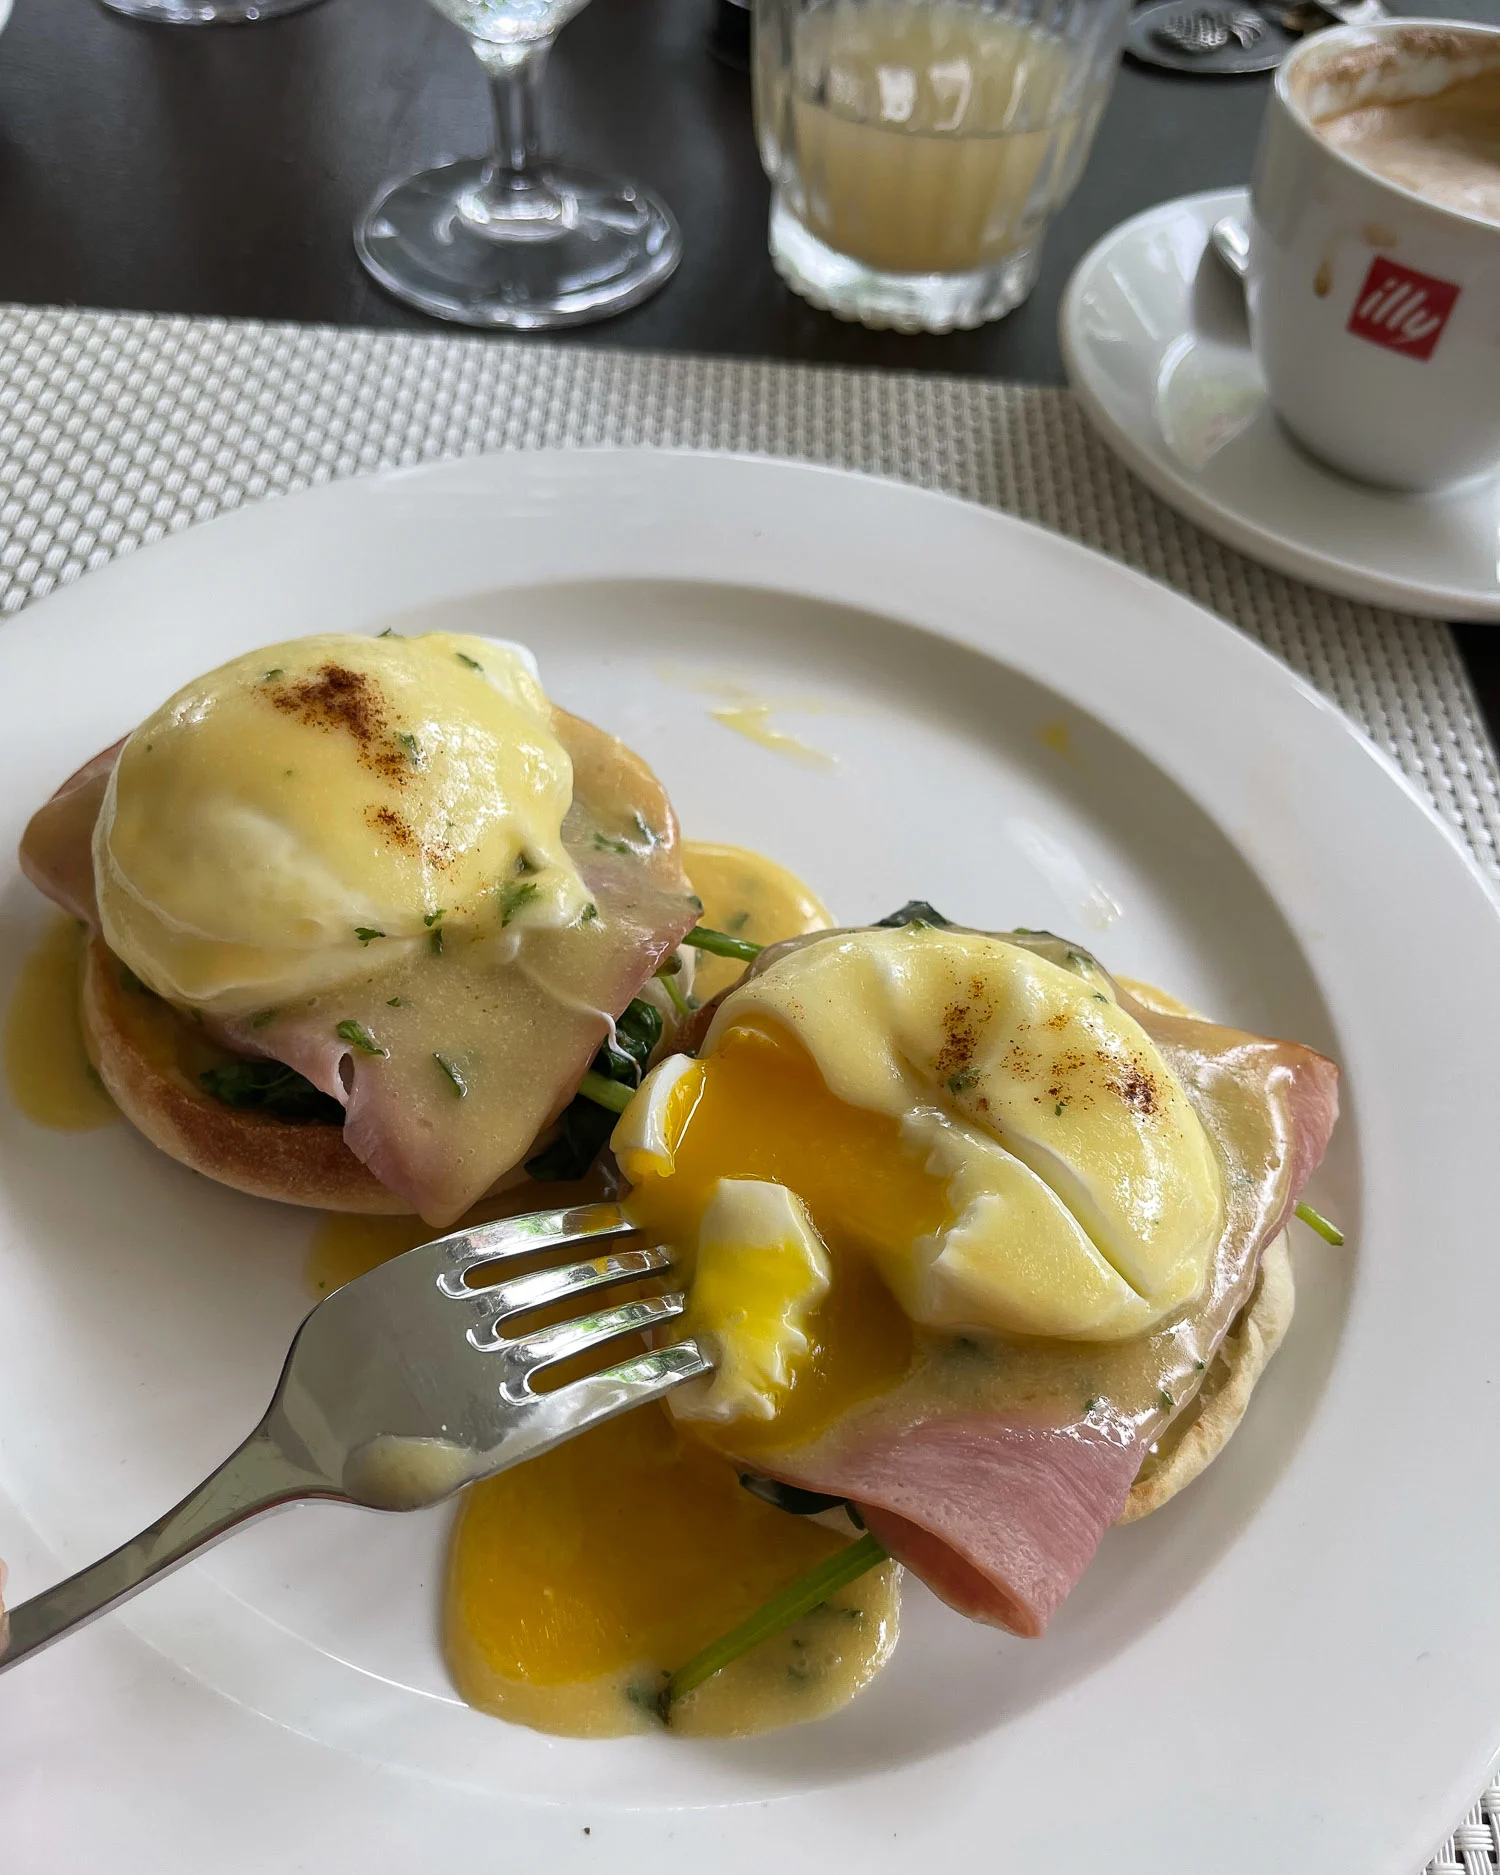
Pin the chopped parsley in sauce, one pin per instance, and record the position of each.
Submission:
(358, 1036)
(514, 896)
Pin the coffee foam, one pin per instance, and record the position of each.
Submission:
(1390, 67)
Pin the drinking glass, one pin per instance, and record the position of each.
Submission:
(205, 12)
(917, 148)
(509, 239)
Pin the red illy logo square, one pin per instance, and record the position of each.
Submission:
(1401, 308)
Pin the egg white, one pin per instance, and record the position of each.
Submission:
(759, 1273)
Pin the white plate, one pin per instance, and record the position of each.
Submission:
(1292, 1667)
(1158, 353)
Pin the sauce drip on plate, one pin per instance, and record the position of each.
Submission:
(748, 896)
(46, 1065)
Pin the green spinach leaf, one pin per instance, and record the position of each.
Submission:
(585, 1126)
(271, 1087)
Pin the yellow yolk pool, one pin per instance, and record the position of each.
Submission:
(763, 1111)
(577, 1582)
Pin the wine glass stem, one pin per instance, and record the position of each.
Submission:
(515, 75)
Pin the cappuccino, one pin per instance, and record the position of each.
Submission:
(1375, 250)
(1445, 147)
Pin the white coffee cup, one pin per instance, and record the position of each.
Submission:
(1374, 312)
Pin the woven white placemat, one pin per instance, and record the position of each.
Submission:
(117, 429)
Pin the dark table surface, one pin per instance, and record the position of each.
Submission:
(219, 170)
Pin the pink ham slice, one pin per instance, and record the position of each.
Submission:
(998, 1519)
(57, 852)
(1000, 1514)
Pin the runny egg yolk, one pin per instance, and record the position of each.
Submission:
(577, 1582)
(758, 1109)
(762, 1271)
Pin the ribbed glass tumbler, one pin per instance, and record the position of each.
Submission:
(918, 148)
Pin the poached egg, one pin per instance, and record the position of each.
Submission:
(981, 1140)
(273, 818)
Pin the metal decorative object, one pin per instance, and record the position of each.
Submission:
(1202, 31)
(1212, 40)
(1206, 29)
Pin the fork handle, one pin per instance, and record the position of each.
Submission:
(256, 1478)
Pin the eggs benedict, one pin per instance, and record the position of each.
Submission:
(365, 911)
(987, 1245)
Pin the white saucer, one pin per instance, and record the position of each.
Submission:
(1157, 350)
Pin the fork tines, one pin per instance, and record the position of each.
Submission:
(520, 1358)
(464, 1251)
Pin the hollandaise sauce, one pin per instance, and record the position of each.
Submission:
(46, 1064)
(753, 721)
(748, 896)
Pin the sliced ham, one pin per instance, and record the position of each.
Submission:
(998, 1519)
(57, 851)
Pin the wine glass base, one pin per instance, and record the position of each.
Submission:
(205, 12)
(601, 246)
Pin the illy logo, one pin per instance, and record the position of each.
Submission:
(1402, 309)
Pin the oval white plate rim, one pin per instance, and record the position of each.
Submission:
(1139, 658)
(1182, 490)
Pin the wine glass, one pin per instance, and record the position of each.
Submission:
(511, 239)
(205, 12)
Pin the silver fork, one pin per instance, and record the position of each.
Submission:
(401, 1388)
